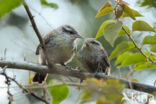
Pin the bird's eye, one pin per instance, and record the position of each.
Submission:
(93, 42)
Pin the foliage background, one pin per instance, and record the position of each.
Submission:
(18, 37)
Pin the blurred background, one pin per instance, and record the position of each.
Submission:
(18, 41)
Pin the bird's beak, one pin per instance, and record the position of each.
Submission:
(78, 36)
(86, 45)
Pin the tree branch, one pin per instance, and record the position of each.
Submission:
(37, 32)
(20, 86)
(10, 96)
(74, 73)
(129, 35)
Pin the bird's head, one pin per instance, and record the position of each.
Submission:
(69, 32)
(91, 44)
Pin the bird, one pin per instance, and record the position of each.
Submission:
(93, 57)
(60, 45)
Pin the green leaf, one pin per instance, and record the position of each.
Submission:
(105, 9)
(122, 57)
(7, 6)
(58, 93)
(110, 29)
(52, 5)
(107, 91)
(122, 32)
(100, 31)
(135, 13)
(144, 66)
(149, 40)
(142, 26)
(86, 96)
(153, 49)
(129, 12)
(121, 48)
(149, 3)
(133, 59)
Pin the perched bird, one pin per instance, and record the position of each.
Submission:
(60, 45)
(93, 57)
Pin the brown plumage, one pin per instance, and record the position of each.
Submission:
(93, 57)
(60, 45)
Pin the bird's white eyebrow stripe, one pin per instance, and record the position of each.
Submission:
(69, 29)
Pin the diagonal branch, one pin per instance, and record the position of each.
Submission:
(74, 73)
(129, 35)
(37, 32)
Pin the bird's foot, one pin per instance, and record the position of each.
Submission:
(67, 67)
(97, 74)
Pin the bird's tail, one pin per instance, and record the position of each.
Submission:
(40, 77)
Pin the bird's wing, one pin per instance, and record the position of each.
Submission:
(37, 49)
(105, 58)
(104, 63)
(47, 38)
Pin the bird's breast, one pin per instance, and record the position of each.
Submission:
(60, 53)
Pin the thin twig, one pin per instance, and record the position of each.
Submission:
(61, 70)
(20, 86)
(40, 86)
(37, 32)
(129, 35)
(8, 82)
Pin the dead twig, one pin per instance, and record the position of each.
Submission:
(8, 81)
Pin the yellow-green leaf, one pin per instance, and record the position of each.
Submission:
(153, 49)
(122, 32)
(121, 48)
(122, 57)
(105, 9)
(52, 5)
(107, 91)
(142, 26)
(144, 66)
(101, 100)
(149, 40)
(129, 12)
(58, 93)
(7, 6)
(135, 13)
(133, 59)
(86, 96)
(100, 31)
(110, 29)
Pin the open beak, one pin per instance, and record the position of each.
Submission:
(78, 36)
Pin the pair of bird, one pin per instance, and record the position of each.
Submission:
(60, 45)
